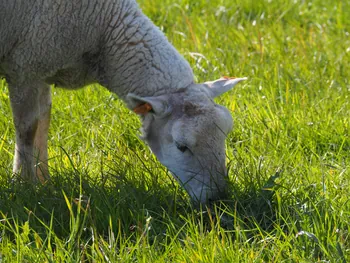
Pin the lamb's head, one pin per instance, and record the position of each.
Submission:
(186, 130)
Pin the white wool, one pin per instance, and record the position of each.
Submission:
(73, 43)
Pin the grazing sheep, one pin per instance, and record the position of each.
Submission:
(73, 43)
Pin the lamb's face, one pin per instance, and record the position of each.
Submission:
(190, 142)
(187, 132)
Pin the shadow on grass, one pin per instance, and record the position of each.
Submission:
(116, 202)
(75, 206)
(123, 205)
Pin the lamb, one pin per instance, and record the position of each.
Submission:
(73, 43)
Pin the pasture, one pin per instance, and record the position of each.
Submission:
(288, 156)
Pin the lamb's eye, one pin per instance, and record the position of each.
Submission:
(181, 147)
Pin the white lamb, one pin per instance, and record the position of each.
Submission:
(73, 43)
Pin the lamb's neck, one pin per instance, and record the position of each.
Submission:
(140, 60)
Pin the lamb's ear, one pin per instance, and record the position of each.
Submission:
(143, 105)
(220, 86)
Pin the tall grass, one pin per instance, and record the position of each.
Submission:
(289, 153)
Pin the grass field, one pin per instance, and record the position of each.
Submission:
(289, 152)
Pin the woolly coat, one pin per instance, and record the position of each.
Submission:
(72, 43)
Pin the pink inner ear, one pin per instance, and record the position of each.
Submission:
(143, 109)
(226, 77)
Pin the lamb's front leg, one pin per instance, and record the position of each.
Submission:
(41, 135)
(25, 101)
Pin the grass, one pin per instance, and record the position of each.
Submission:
(288, 155)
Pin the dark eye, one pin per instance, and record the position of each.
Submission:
(181, 147)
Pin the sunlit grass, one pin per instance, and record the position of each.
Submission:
(288, 154)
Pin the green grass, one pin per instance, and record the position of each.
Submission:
(288, 154)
